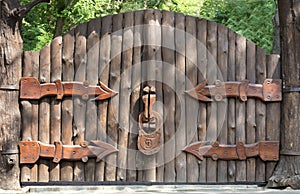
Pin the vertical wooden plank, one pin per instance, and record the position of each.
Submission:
(44, 112)
(79, 104)
(55, 109)
(168, 58)
(250, 106)
(91, 126)
(222, 106)
(158, 106)
(260, 111)
(212, 46)
(191, 104)
(132, 159)
(151, 37)
(67, 103)
(30, 59)
(273, 111)
(103, 71)
(113, 108)
(202, 64)
(231, 103)
(180, 120)
(240, 66)
(125, 91)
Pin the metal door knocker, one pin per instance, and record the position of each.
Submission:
(150, 122)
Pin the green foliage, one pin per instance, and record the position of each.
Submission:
(250, 18)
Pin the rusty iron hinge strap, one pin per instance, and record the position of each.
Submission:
(32, 89)
(289, 153)
(269, 91)
(10, 87)
(31, 151)
(266, 150)
(291, 89)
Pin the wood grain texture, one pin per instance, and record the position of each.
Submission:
(191, 104)
(91, 126)
(79, 105)
(202, 113)
(250, 106)
(240, 65)
(44, 112)
(180, 122)
(212, 73)
(113, 107)
(68, 69)
(103, 72)
(261, 72)
(55, 109)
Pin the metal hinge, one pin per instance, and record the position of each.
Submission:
(269, 91)
(266, 150)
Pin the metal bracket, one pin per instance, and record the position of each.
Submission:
(32, 89)
(266, 150)
(289, 153)
(10, 87)
(269, 91)
(291, 89)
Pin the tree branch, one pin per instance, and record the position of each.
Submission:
(21, 12)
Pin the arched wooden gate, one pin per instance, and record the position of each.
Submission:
(153, 60)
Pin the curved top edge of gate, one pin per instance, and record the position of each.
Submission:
(154, 11)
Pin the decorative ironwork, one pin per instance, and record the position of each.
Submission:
(269, 91)
(266, 150)
(31, 89)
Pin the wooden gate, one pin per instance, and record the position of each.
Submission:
(171, 54)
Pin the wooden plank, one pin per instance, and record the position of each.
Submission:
(212, 108)
(231, 103)
(250, 106)
(79, 108)
(180, 124)
(124, 96)
(261, 72)
(113, 108)
(30, 59)
(240, 65)
(103, 72)
(191, 104)
(55, 114)
(202, 64)
(273, 122)
(222, 106)
(67, 103)
(168, 58)
(44, 112)
(151, 42)
(91, 126)
(158, 106)
(135, 103)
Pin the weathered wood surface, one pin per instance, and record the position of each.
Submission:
(202, 75)
(66, 170)
(250, 107)
(55, 109)
(44, 112)
(240, 65)
(287, 170)
(191, 105)
(92, 57)
(212, 116)
(172, 52)
(260, 110)
(180, 124)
